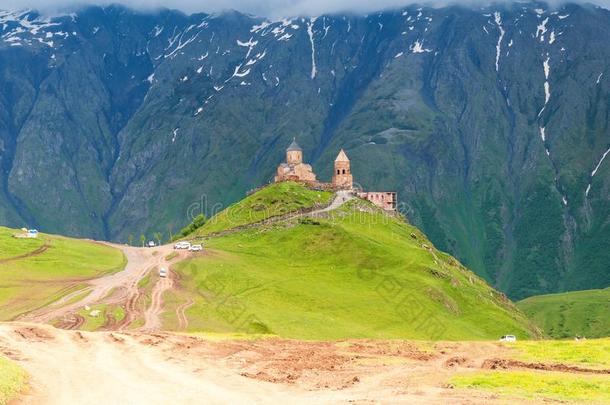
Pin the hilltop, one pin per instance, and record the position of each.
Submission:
(354, 271)
(584, 313)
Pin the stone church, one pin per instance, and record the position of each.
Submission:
(295, 170)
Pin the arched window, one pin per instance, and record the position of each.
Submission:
(338, 171)
(343, 171)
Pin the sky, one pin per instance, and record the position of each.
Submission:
(267, 8)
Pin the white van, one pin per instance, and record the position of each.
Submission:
(508, 338)
(163, 272)
(182, 245)
(196, 248)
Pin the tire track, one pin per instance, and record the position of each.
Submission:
(152, 315)
(35, 252)
(183, 321)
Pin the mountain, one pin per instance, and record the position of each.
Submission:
(583, 313)
(492, 124)
(280, 262)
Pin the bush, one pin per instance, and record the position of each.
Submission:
(197, 223)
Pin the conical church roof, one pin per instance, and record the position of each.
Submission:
(294, 146)
(342, 157)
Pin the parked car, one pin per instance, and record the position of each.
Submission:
(163, 272)
(151, 243)
(508, 338)
(182, 245)
(196, 248)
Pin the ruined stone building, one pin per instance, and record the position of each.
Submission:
(295, 170)
(383, 199)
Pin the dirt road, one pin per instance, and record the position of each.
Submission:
(138, 367)
(121, 288)
(83, 368)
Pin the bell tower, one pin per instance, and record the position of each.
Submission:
(294, 153)
(342, 176)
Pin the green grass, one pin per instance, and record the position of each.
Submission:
(31, 282)
(12, 247)
(93, 323)
(539, 386)
(591, 353)
(584, 313)
(144, 282)
(171, 256)
(274, 200)
(12, 380)
(358, 274)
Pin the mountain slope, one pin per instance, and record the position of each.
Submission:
(350, 272)
(491, 124)
(37, 272)
(576, 313)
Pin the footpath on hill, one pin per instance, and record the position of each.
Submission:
(341, 198)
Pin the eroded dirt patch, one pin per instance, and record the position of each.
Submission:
(507, 364)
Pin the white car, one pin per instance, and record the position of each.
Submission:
(151, 243)
(163, 272)
(182, 245)
(196, 248)
(508, 338)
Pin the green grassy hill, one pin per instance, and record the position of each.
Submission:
(272, 201)
(36, 272)
(566, 315)
(355, 273)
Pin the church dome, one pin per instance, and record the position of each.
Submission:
(294, 146)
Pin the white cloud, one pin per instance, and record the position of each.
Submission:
(272, 8)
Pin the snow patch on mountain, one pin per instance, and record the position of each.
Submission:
(250, 44)
(594, 172)
(541, 29)
(310, 33)
(418, 47)
(20, 28)
(498, 20)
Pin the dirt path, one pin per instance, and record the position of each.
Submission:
(121, 288)
(74, 367)
(152, 314)
(138, 264)
(34, 252)
(340, 198)
(183, 322)
(83, 368)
